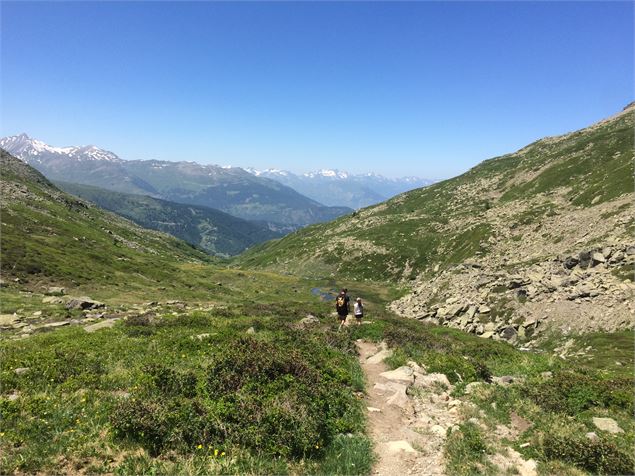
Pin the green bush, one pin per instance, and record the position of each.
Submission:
(599, 456)
(278, 399)
(572, 392)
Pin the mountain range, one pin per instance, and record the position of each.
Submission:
(229, 189)
(335, 187)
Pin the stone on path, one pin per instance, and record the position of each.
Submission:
(373, 409)
(100, 325)
(607, 424)
(430, 380)
(397, 446)
(402, 374)
(379, 356)
(400, 398)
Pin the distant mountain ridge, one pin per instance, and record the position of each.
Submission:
(336, 187)
(216, 232)
(229, 189)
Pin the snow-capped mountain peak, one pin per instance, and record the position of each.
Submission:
(29, 149)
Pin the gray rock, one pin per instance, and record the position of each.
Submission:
(607, 251)
(509, 333)
(22, 370)
(592, 436)
(607, 424)
(471, 387)
(570, 262)
(402, 374)
(84, 303)
(52, 300)
(630, 250)
(310, 320)
(487, 335)
(597, 258)
(584, 259)
(7, 320)
(471, 311)
(55, 291)
(251, 330)
(54, 325)
(100, 325)
(484, 309)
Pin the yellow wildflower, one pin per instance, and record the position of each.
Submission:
(199, 447)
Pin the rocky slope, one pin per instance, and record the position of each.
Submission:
(540, 236)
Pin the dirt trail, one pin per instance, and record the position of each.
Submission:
(408, 433)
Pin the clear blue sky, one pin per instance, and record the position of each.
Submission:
(413, 88)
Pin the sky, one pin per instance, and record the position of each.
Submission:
(424, 89)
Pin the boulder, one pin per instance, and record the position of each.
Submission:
(309, 320)
(84, 303)
(487, 335)
(584, 259)
(400, 397)
(471, 311)
(472, 386)
(570, 262)
(597, 258)
(402, 374)
(438, 430)
(398, 446)
(607, 424)
(7, 320)
(54, 325)
(484, 309)
(509, 333)
(429, 380)
(100, 325)
(52, 300)
(591, 435)
(55, 291)
(379, 356)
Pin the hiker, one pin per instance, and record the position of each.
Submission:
(358, 311)
(342, 307)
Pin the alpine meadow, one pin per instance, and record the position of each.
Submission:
(162, 315)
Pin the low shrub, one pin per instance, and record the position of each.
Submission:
(572, 392)
(599, 456)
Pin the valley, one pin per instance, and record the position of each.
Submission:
(497, 336)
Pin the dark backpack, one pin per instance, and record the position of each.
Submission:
(340, 303)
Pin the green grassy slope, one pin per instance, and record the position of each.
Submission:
(457, 219)
(48, 235)
(212, 230)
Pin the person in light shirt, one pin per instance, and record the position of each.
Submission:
(358, 311)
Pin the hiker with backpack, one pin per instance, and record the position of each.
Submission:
(342, 307)
(358, 311)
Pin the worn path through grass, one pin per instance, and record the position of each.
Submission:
(392, 422)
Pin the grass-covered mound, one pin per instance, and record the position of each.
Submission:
(192, 392)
